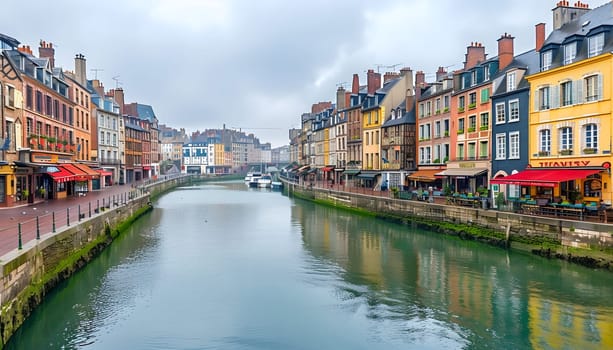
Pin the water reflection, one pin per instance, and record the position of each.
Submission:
(444, 287)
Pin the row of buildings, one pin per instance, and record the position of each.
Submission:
(533, 124)
(62, 134)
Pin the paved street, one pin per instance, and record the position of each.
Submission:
(10, 218)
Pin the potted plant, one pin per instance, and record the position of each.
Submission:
(446, 133)
(484, 127)
(460, 131)
(472, 129)
(395, 192)
(472, 105)
(566, 152)
(543, 153)
(460, 109)
(589, 150)
(436, 160)
(446, 109)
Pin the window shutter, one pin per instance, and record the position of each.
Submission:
(599, 87)
(578, 98)
(555, 96)
(536, 100)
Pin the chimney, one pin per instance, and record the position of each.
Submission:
(80, 69)
(407, 73)
(119, 98)
(373, 80)
(564, 13)
(420, 83)
(390, 76)
(98, 87)
(25, 49)
(355, 85)
(440, 73)
(540, 35)
(475, 53)
(340, 98)
(46, 50)
(505, 51)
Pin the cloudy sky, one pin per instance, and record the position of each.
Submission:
(258, 65)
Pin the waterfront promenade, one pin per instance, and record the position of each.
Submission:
(49, 216)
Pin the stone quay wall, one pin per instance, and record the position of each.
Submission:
(31, 272)
(538, 234)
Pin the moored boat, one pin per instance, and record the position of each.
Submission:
(265, 181)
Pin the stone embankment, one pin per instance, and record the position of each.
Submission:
(582, 242)
(28, 274)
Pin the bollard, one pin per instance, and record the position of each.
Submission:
(79, 212)
(67, 216)
(98, 205)
(19, 246)
(53, 221)
(37, 229)
(90, 208)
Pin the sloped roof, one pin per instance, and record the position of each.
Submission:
(586, 22)
(145, 112)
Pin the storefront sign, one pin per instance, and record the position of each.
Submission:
(564, 164)
(467, 165)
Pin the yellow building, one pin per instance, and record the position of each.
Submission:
(570, 113)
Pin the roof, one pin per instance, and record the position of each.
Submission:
(592, 19)
(529, 61)
(9, 40)
(145, 112)
(134, 126)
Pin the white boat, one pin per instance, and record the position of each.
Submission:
(277, 185)
(265, 181)
(253, 179)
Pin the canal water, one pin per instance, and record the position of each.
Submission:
(221, 266)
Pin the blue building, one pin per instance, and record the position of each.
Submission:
(510, 111)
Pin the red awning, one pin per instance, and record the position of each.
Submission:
(105, 173)
(91, 173)
(327, 168)
(146, 167)
(544, 177)
(79, 175)
(62, 175)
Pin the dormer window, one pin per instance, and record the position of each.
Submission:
(486, 73)
(511, 81)
(570, 52)
(473, 78)
(546, 60)
(595, 45)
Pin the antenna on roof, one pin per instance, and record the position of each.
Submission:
(117, 83)
(342, 84)
(96, 70)
(392, 66)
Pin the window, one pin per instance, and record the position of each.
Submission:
(446, 127)
(570, 52)
(437, 105)
(593, 87)
(472, 100)
(485, 95)
(500, 117)
(428, 108)
(421, 110)
(595, 44)
(591, 138)
(566, 139)
(485, 121)
(29, 97)
(483, 149)
(511, 81)
(461, 103)
(473, 78)
(545, 141)
(486, 73)
(461, 126)
(460, 149)
(514, 111)
(472, 148)
(102, 137)
(39, 101)
(514, 145)
(48, 105)
(543, 97)
(567, 93)
(10, 96)
(437, 129)
(446, 101)
(501, 146)
(546, 60)
(472, 123)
